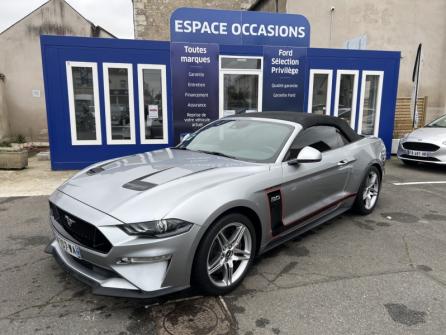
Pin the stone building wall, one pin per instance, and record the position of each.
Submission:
(389, 25)
(152, 16)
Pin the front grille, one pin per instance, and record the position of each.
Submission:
(83, 232)
(426, 159)
(420, 146)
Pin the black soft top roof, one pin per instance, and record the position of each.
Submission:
(307, 120)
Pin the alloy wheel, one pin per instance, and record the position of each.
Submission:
(229, 254)
(371, 190)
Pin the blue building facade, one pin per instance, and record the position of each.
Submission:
(109, 98)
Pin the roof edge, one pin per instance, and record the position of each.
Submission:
(69, 5)
(103, 29)
(82, 16)
(23, 18)
(254, 5)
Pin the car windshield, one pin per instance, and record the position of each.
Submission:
(440, 122)
(249, 140)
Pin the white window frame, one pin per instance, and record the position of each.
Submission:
(108, 125)
(71, 108)
(223, 71)
(339, 74)
(378, 102)
(310, 89)
(142, 127)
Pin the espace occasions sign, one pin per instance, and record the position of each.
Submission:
(197, 37)
(239, 27)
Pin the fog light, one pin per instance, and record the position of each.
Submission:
(139, 260)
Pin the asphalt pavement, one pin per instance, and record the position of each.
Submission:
(380, 274)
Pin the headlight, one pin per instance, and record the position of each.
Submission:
(159, 228)
(383, 154)
(404, 138)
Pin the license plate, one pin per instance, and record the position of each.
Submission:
(69, 247)
(417, 153)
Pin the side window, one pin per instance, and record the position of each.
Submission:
(153, 120)
(322, 138)
(118, 98)
(83, 103)
(370, 106)
(345, 97)
(319, 94)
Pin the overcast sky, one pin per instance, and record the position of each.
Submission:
(115, 16)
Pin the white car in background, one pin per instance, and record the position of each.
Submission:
(426, 145)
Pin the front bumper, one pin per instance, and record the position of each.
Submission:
(98, 280)
(432, 157)
(103, 271)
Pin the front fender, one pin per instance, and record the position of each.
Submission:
(212, 216)
(240, 203)
(204, 207)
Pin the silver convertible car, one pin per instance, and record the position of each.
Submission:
(425, 145)
(197, 214)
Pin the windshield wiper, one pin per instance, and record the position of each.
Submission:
(216, 153)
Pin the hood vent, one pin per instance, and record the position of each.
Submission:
(99, 168)
(95, 170)
(141, 185)
(138, 185)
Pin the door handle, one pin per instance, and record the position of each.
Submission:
(343, 162)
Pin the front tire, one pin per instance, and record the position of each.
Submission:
(225, 254)
(368, 192)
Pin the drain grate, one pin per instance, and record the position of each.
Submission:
(193, 317)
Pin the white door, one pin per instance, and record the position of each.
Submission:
(240, 87)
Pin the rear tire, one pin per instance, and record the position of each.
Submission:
(225, 254)
(368, 192)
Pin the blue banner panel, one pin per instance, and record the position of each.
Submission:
(195, 86)
(284, 78)
(239, 27)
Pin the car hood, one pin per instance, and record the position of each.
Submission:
(427, 134)
(147, 185)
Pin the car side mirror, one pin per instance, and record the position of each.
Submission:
(306, 155)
